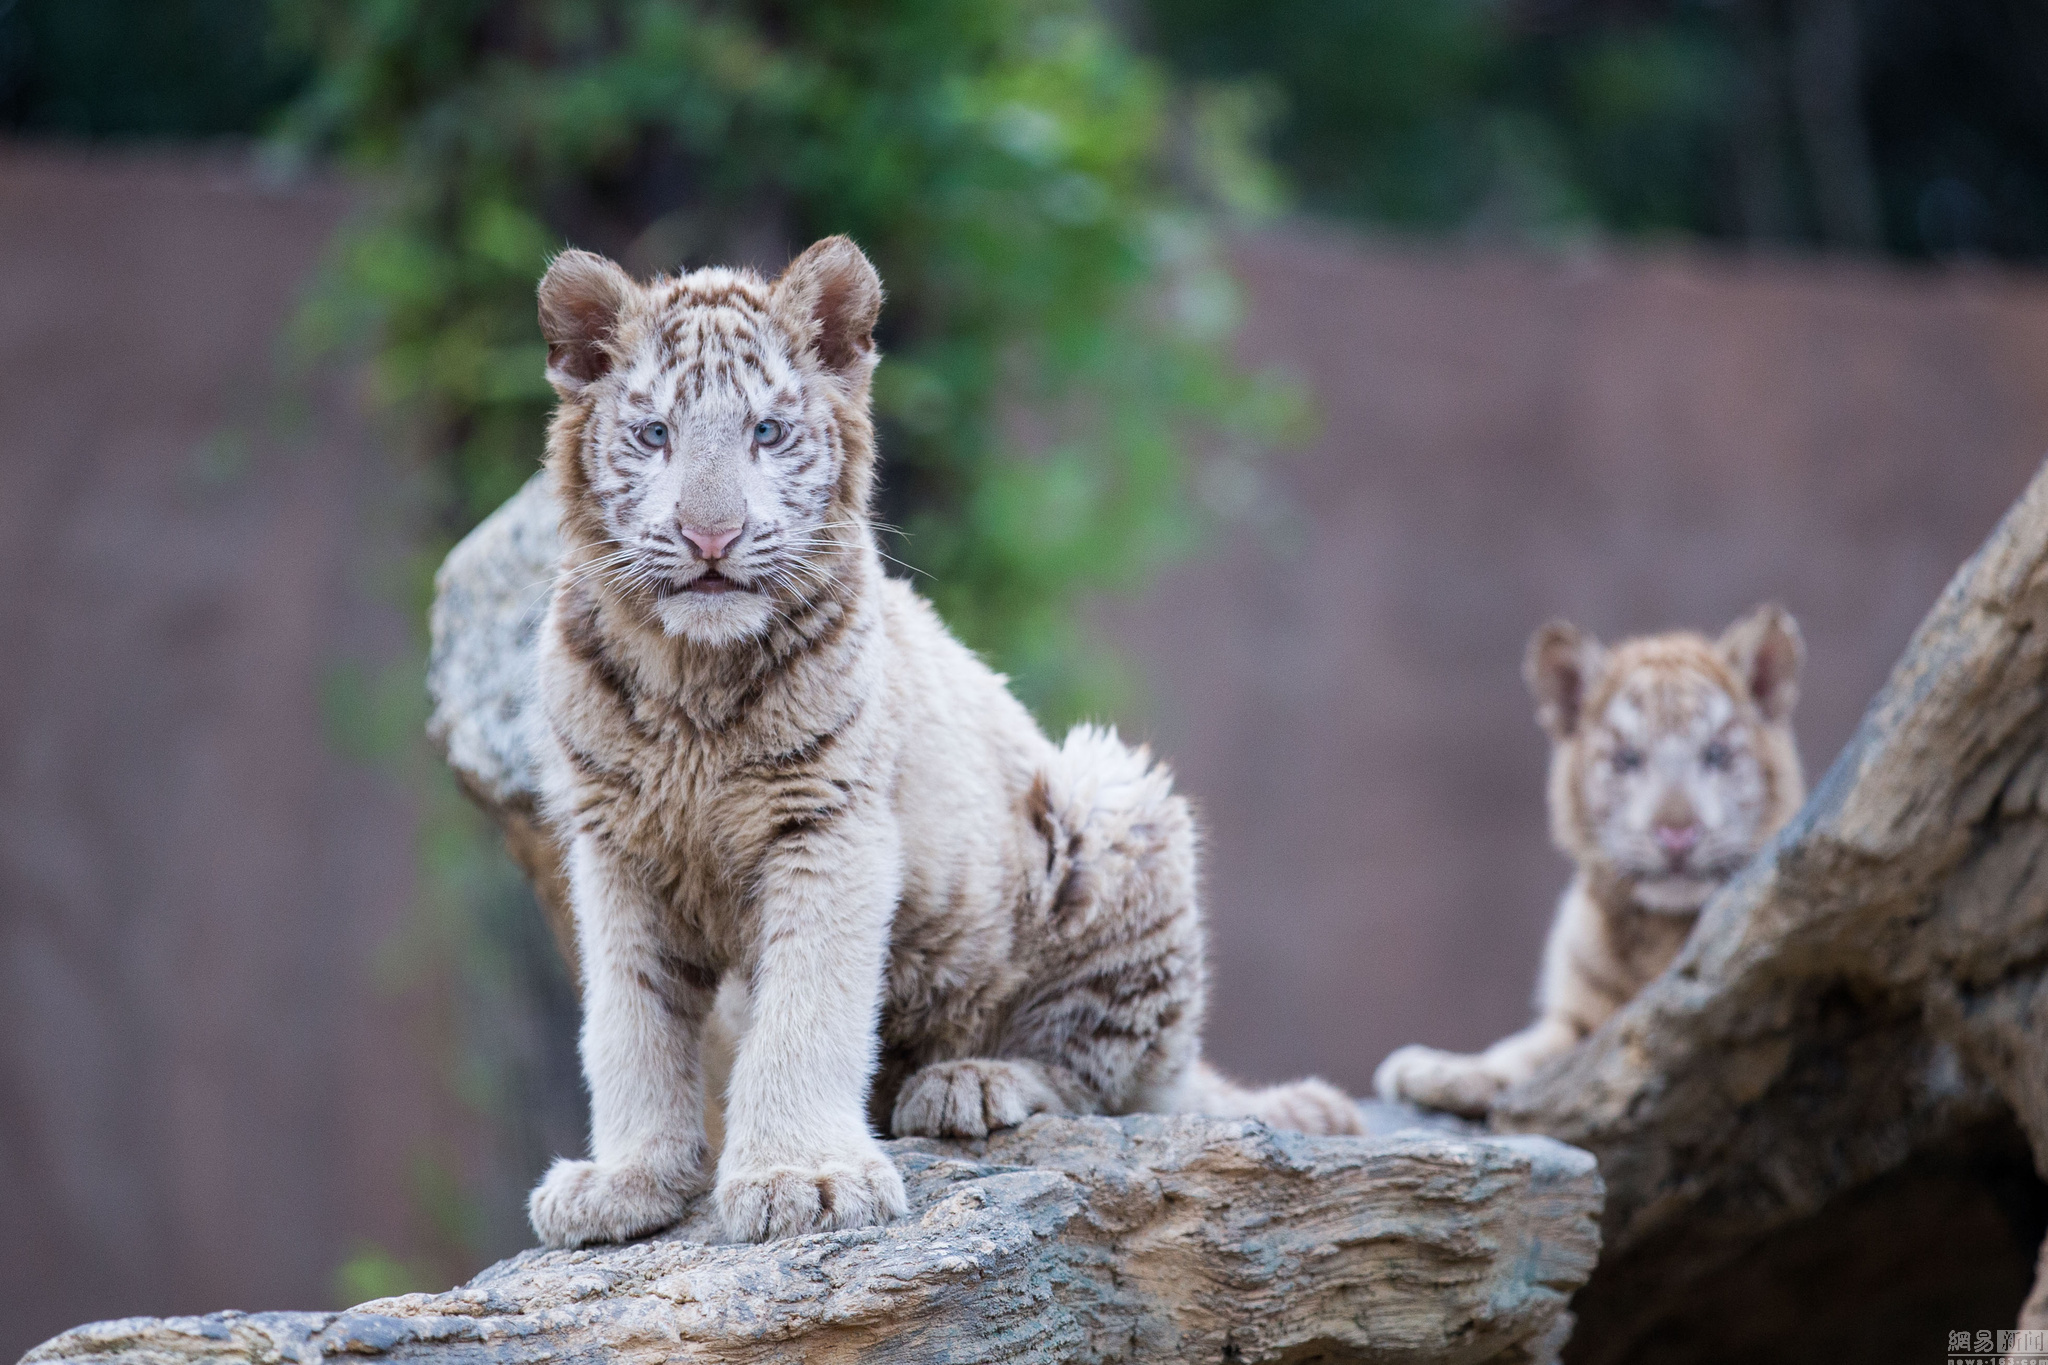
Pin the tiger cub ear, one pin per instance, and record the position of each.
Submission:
(1559, 667)
(830, 298)
(1765, 650)
(581, 299)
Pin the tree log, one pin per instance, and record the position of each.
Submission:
(1136, 1240)
(1824, 1128)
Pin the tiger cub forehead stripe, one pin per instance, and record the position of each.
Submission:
(703, 347)
(1670, 700)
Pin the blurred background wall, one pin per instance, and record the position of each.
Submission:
(204, 1094)
(1349, 341)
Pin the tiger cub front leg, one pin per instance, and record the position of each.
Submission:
(643, 1017)
(1571, 1001)
(798, 1154)
(1467, 1084)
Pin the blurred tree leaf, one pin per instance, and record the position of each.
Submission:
(147, 68)
(1440, 115)
(371, 1272)
(1753, 120)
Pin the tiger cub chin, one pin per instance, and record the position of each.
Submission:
(770, 767)
(1671, 763)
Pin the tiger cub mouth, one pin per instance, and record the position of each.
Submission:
(710, 583)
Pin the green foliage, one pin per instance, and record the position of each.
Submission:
(1381, 99)
(371, 1272)
(1056, 326)
(1443, 115)
(1721, 118)
(152, 68)
(1643, 110)
(1499, 117)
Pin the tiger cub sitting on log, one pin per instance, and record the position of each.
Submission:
(1672, 761)
(768, 763)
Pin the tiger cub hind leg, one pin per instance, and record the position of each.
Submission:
(972, 1097)
(1112, 1021)
(1310, 1105)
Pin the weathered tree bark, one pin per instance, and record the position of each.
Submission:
(1065, 1240)
(1811, 1126)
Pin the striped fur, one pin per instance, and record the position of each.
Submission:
(801, 806)
(1669, 733)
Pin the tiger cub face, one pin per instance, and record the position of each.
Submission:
(714, 452)
(1672, 757)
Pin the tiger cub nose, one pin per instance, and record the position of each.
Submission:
(1677, 838)
(711, 544)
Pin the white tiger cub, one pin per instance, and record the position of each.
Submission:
(769, 763)
(1672, 761)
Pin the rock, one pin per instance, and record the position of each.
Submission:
(1842, 1062)
(489, 597)
(1067, 1239)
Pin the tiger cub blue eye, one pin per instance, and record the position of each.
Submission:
(769, 432)
(654, 435)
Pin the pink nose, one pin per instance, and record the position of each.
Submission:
(1677, 838)
(710, 544)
